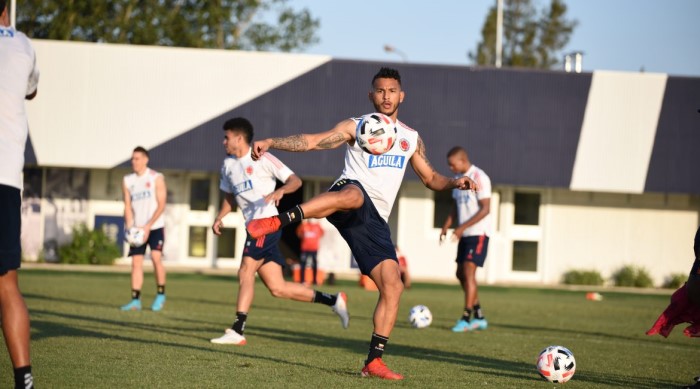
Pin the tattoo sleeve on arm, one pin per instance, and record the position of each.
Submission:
(332, 141)
(291, 143)
(420, 149)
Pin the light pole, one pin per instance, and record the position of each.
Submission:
(392, 49)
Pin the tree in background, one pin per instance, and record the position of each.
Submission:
(529, 39)
(223, 24)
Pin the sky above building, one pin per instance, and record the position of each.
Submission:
(624, 35)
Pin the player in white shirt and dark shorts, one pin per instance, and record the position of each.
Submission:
(145, 196)
(471, 210)
(19, 78)
(358, 204)
(251, 184)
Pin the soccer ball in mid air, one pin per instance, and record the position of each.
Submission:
(135, 236)
(420, 316)
(376, 133)
(556, 364)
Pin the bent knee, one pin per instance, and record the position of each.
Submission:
(277, 292)
(351, 196)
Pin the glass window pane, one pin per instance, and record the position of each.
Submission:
(443, 206)
(226, 243)
(198, 241)
(527, 208)
(524, 256)
(199, 194)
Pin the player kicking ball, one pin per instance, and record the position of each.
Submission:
(358, 204)
(251, 184)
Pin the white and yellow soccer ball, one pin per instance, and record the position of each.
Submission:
(376, 133)
(556, 364)
(420, 316)
(135, 236)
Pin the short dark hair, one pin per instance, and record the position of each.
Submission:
(456, 150)
(3, 4)
(387, 73)
(241, 125)
(139, 148)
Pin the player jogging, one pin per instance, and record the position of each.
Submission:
(251, 184)
(472, 232)
(358, 204)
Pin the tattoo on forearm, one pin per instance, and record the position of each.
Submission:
(331, 142)
(291, 143)
(420, 149)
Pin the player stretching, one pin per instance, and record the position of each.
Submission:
(252, 184)
(472, 214)
(358, 204)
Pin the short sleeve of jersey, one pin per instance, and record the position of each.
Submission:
(224, 182)
(276, 167)
(484, 183)
(33, 77)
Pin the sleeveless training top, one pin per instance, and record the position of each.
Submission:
(143, 197)
(381, 175)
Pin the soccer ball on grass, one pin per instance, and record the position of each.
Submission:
(556, 364)
(376, 133)
(420, 316)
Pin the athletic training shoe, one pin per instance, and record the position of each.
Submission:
(158, 303)
(230, 337)
(695, 385)
(260, 227)
(462, 326)
(378, 369)
(341, 309)
(479, 324)
(134, 305)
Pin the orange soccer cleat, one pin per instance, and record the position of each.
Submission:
(378, 369)
(261, 227)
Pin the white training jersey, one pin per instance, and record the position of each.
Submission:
(19, 78)
(467, 202)
(250, 181)
(381, 175)
(144, 203)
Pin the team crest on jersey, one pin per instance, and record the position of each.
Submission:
(249, 170)
(148, 185)
(404, 145)
(386, 160)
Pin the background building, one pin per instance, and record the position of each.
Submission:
(590, 170)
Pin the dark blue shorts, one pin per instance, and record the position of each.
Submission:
(156, 238)
(265, 248)
(10, 228)
(695, 270)
(366, 233)
(473, 249)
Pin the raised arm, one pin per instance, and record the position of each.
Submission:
(343, 132)
(432, 179)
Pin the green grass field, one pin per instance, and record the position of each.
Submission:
(81, 339)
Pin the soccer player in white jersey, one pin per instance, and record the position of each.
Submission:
(358, 204)
(251, 184)
(471, 210)
(145, 196)
(19, 78)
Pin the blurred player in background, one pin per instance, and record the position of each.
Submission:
(358, 204)
(310, 233)
(144, 203)
(19, 78)
(251, 184)
(471, 210)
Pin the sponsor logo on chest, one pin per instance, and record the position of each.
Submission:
(242, 187)
(386, 160)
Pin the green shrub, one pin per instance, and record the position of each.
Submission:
(633, 276)
(583, 277)
(675, 280)
(89, 247)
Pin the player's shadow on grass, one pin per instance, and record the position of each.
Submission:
(467, 362)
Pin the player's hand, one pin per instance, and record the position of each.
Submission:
(443, 235)
(146, 232)
(466, 183)
(217, 226)
(275, 196)
(457, 234)
(259, 148)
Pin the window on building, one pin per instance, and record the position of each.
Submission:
(524, 256)
(527, 209)
(198, 241)
(226, 243)
(443, 206)
(199, 194)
